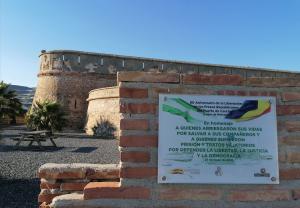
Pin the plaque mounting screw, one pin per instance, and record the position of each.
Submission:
(273, 179)
(164, 178)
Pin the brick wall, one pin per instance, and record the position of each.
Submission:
(137, 98)
(139, 135)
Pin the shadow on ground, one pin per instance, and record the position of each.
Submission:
(85, 149)
(9, 148)
(12, 193)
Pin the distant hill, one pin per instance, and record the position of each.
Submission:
(25, 94)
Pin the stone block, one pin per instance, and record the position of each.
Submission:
(133, 93)
(289, 174)
(73, 186)
(111, 190)
(135, 156)
(291, 96)
(259, 195)
(177, 193)
(138, 108)
(134, 124)
(212, 79)
(150, 77)
(288, 109)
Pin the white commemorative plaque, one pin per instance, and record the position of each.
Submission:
(217, 139)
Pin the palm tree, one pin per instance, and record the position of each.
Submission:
(46, 115)
(10, 105)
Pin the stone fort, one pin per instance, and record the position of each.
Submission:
(69, 76)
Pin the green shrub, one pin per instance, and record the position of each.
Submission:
(46, 115)
(104, 129)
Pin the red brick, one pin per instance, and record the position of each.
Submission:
(273, 94)
(133, 93)
(291, 96)
(264, 93)
(212, 79)
(46, 198)
(241, 93)
(289, 174)
(139, 172)
(138, 108)
(180, 89)
(135, 156)
(260, 195)
(254, 93)
(290, 140)
(149, 77)
(134, 124)
(45, 185)
(112, 190)
(229, 92)
(293, 157)
(282, 157)
(296, 194)
(292, 126)
(189, 194)
(289, 126)
(138, 141)
(61, 175)
(72, 186)
(221, 92)
(288, 109)
(280, 125)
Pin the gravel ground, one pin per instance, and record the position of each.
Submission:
(18, 167)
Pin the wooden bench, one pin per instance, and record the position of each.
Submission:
(36, 136)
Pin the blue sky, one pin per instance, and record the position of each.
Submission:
(260, 33)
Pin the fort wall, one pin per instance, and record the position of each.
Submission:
(68, 76)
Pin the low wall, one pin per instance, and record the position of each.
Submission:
(60, 179)
(137, 111)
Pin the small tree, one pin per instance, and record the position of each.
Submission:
(10, 105)
(46, 115)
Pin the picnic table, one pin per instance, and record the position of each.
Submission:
(36, 136)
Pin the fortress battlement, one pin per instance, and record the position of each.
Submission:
(87, 62)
